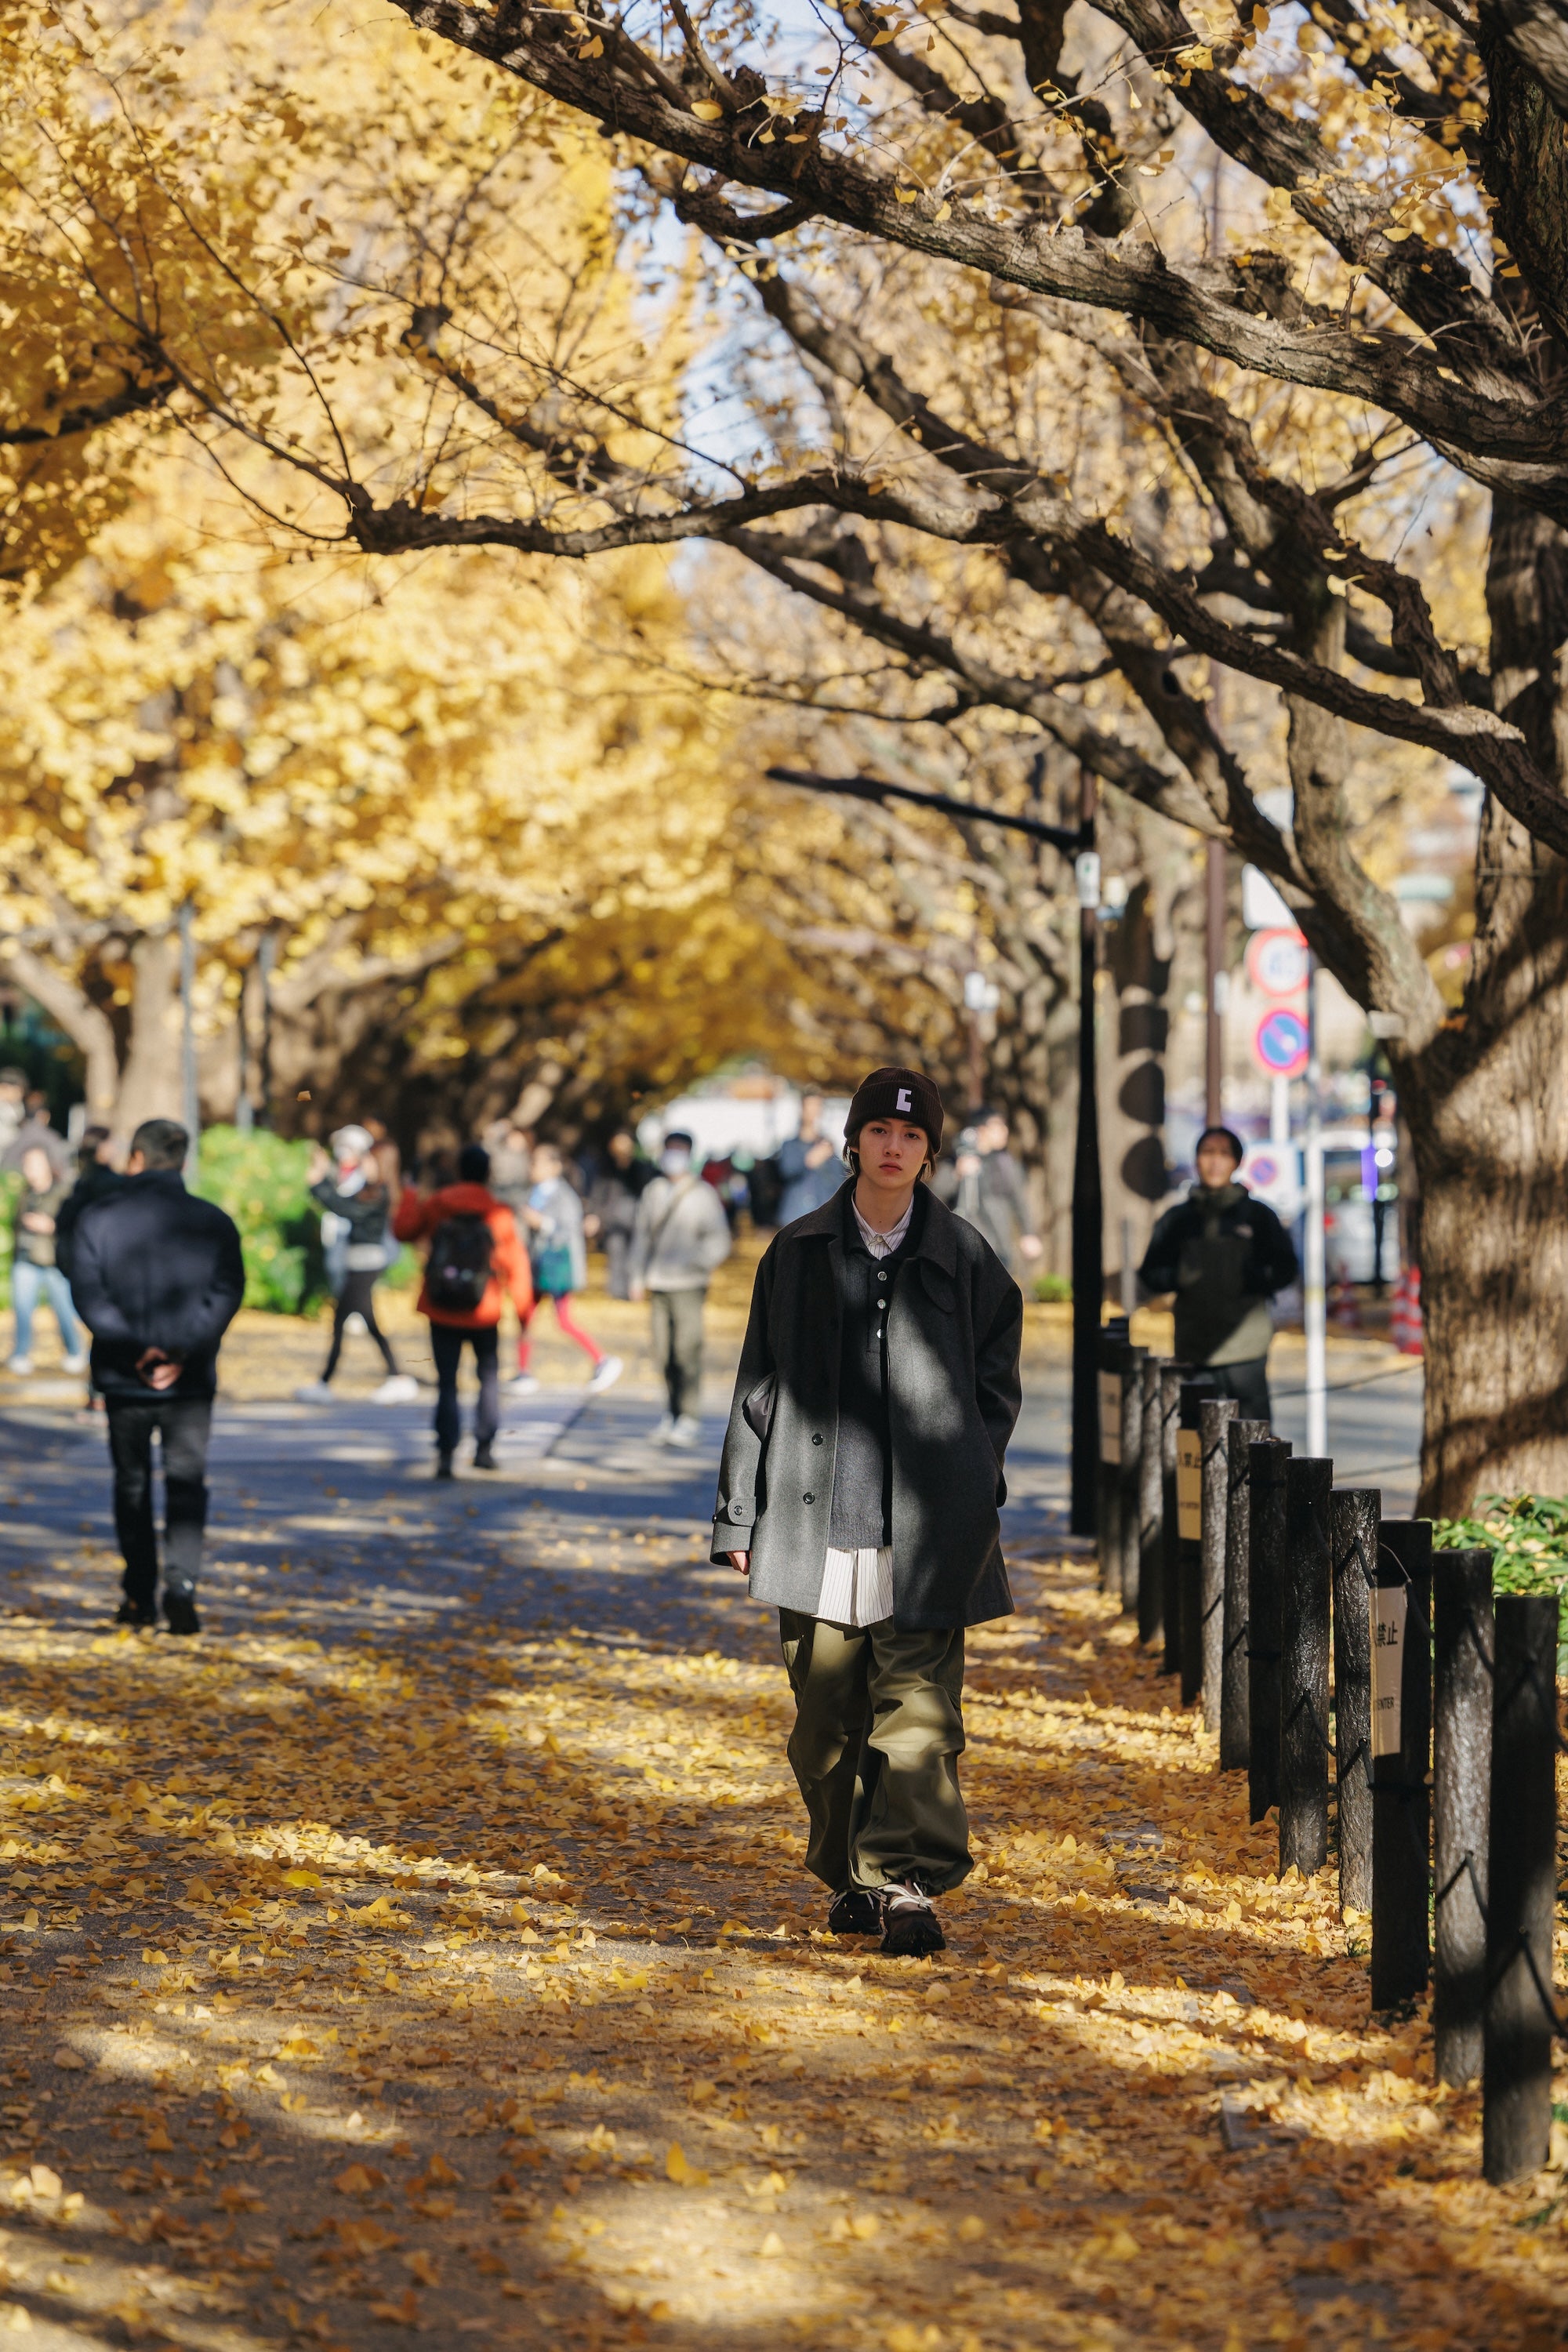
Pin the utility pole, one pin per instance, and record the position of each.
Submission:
(1088, 1205)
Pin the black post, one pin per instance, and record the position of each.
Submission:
(1516, 2081)
(1214, 1415)
(1190, 1533)
(1304, 1668)
(1354, 1516)
(1087, 1207)
(1150, 1512)
(1240, 1438)
(1400, 1755)
(1464, 1638)
(1110, 1359)
(1265, 1583)
(1128, 1522)
(1170, 1379)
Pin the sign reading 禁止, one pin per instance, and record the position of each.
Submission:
(1189, 1485)
(1111, 1417)
(1390, 1603)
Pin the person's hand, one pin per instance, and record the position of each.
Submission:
(534, 1217)
(156, 1370)
(36, 1222)
(636, 1290)
(590, 1225)
(321, 1164)
(740, 1561)
(1031, 1246)
(818, 1152)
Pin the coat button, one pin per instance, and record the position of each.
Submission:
(882, 1277)
(816, 1437)
(808, 1499)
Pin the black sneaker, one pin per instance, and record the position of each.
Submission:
(180, 1610)
(484, 1454)
(909, 1928)
(855, 1912)
(443, 1466)
(130, 1612)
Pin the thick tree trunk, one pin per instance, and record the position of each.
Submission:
(1487, 1102)
(88, 1027)
(150, 1084)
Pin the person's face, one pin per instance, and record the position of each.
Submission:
(1216, 1163)
(892, 1153)
(10, 1091)
(993, 1135)
(37, 1169)
(621, 1150)
(810, 1114)
(546, 1164)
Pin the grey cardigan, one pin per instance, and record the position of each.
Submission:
(953, 1393)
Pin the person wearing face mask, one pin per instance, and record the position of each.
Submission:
(681, 1235)
(1224, 1255)
(859, 1494)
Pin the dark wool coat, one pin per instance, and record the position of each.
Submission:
(953, 1393)
(155, 1267)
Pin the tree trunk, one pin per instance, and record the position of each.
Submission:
(150, 1085)
(88, 1027)
(1487, 1102)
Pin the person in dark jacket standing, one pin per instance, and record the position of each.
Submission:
(1224, 1255)
(348, 1186)
(157, 1277)
(859, 1491)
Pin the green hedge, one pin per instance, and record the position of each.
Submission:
(1527, 1535)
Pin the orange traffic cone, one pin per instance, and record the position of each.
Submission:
(1345, 1313)
(1404, 1318)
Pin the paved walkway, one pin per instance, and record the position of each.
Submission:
(427, 1949)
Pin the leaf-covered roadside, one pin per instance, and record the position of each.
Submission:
(357, 1985)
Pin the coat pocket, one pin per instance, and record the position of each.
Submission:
(757, 1408)
(938, 1288)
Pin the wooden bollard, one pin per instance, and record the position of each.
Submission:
(1516, 2079)
(1215, 1416)
(1354, 1516)
(1304, 1668)
(1240, 1437)
(1150, 1512)
(1170, 1379)
(1401, 1758)
(1131, 1464)
(1463, 1637)
(1195, 1392)
(1265, 1581)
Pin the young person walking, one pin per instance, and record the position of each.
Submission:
(680, 1237)
(157, 1276)
(475, 1254)
(348, 1186)
(34, 1270)
(859, 1491)
(558, 1256)
(1224, 1255)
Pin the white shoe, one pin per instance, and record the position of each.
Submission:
(662, 1434)
(604, 1374)
(398, 1388)
(525, 1384)
(74, 1364)
(686, 1434)
(313, 1393)
(21, 1366)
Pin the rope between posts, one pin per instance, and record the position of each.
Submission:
(1467, 1869)
(1554, 2017)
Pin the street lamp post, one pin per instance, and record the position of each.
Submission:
(1088, 1212)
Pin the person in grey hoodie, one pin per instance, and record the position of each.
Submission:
(680, 1237)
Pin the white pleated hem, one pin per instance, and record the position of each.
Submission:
(856, 1586)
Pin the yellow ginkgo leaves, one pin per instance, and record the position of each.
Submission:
(684, 2174)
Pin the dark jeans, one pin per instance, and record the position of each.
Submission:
(184, 1424)
(678, 1346)
(1248, 1383)
(446, 1347)
(357, 1298)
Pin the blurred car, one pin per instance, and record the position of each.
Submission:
(1274, 1171)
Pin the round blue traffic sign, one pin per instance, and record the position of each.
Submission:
(1280, 1042)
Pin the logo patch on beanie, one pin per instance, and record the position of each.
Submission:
(903, 1102)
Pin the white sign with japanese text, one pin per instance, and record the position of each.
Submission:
(1390, 1605)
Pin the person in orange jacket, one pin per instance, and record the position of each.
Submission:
(475, 1256)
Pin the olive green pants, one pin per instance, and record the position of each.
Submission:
(878, 1730)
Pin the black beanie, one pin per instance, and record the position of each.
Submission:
(896, 1094)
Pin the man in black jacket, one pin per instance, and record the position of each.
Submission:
(157, 1276)
(1224, 1255)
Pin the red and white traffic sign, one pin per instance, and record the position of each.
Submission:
(1279, 1042)
(1277, 962)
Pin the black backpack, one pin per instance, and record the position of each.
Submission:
(458, 1273)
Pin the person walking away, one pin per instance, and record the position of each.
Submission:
(810, 1167)
(348, 1186)
(557, 1259)
(157, 1276)
(96, 1175)
(681, 1235)
(859, 1492)
(35, 1274)
(613, 1200)
(1224, 1255)
(475, 1255)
